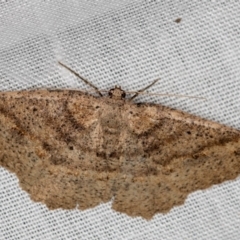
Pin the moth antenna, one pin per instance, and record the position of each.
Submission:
(167, 95)
(82, 78)
(142, 90)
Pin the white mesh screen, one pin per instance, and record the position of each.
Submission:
(129, 43)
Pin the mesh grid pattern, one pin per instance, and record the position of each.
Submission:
(129, 43)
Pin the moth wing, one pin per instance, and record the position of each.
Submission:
(179, 153)
(44, 141)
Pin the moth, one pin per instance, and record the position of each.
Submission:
(72, 149)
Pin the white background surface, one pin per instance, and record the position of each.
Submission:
(129, 43)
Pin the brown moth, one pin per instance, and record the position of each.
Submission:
(69, 148)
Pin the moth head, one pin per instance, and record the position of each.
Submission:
(117, 93)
